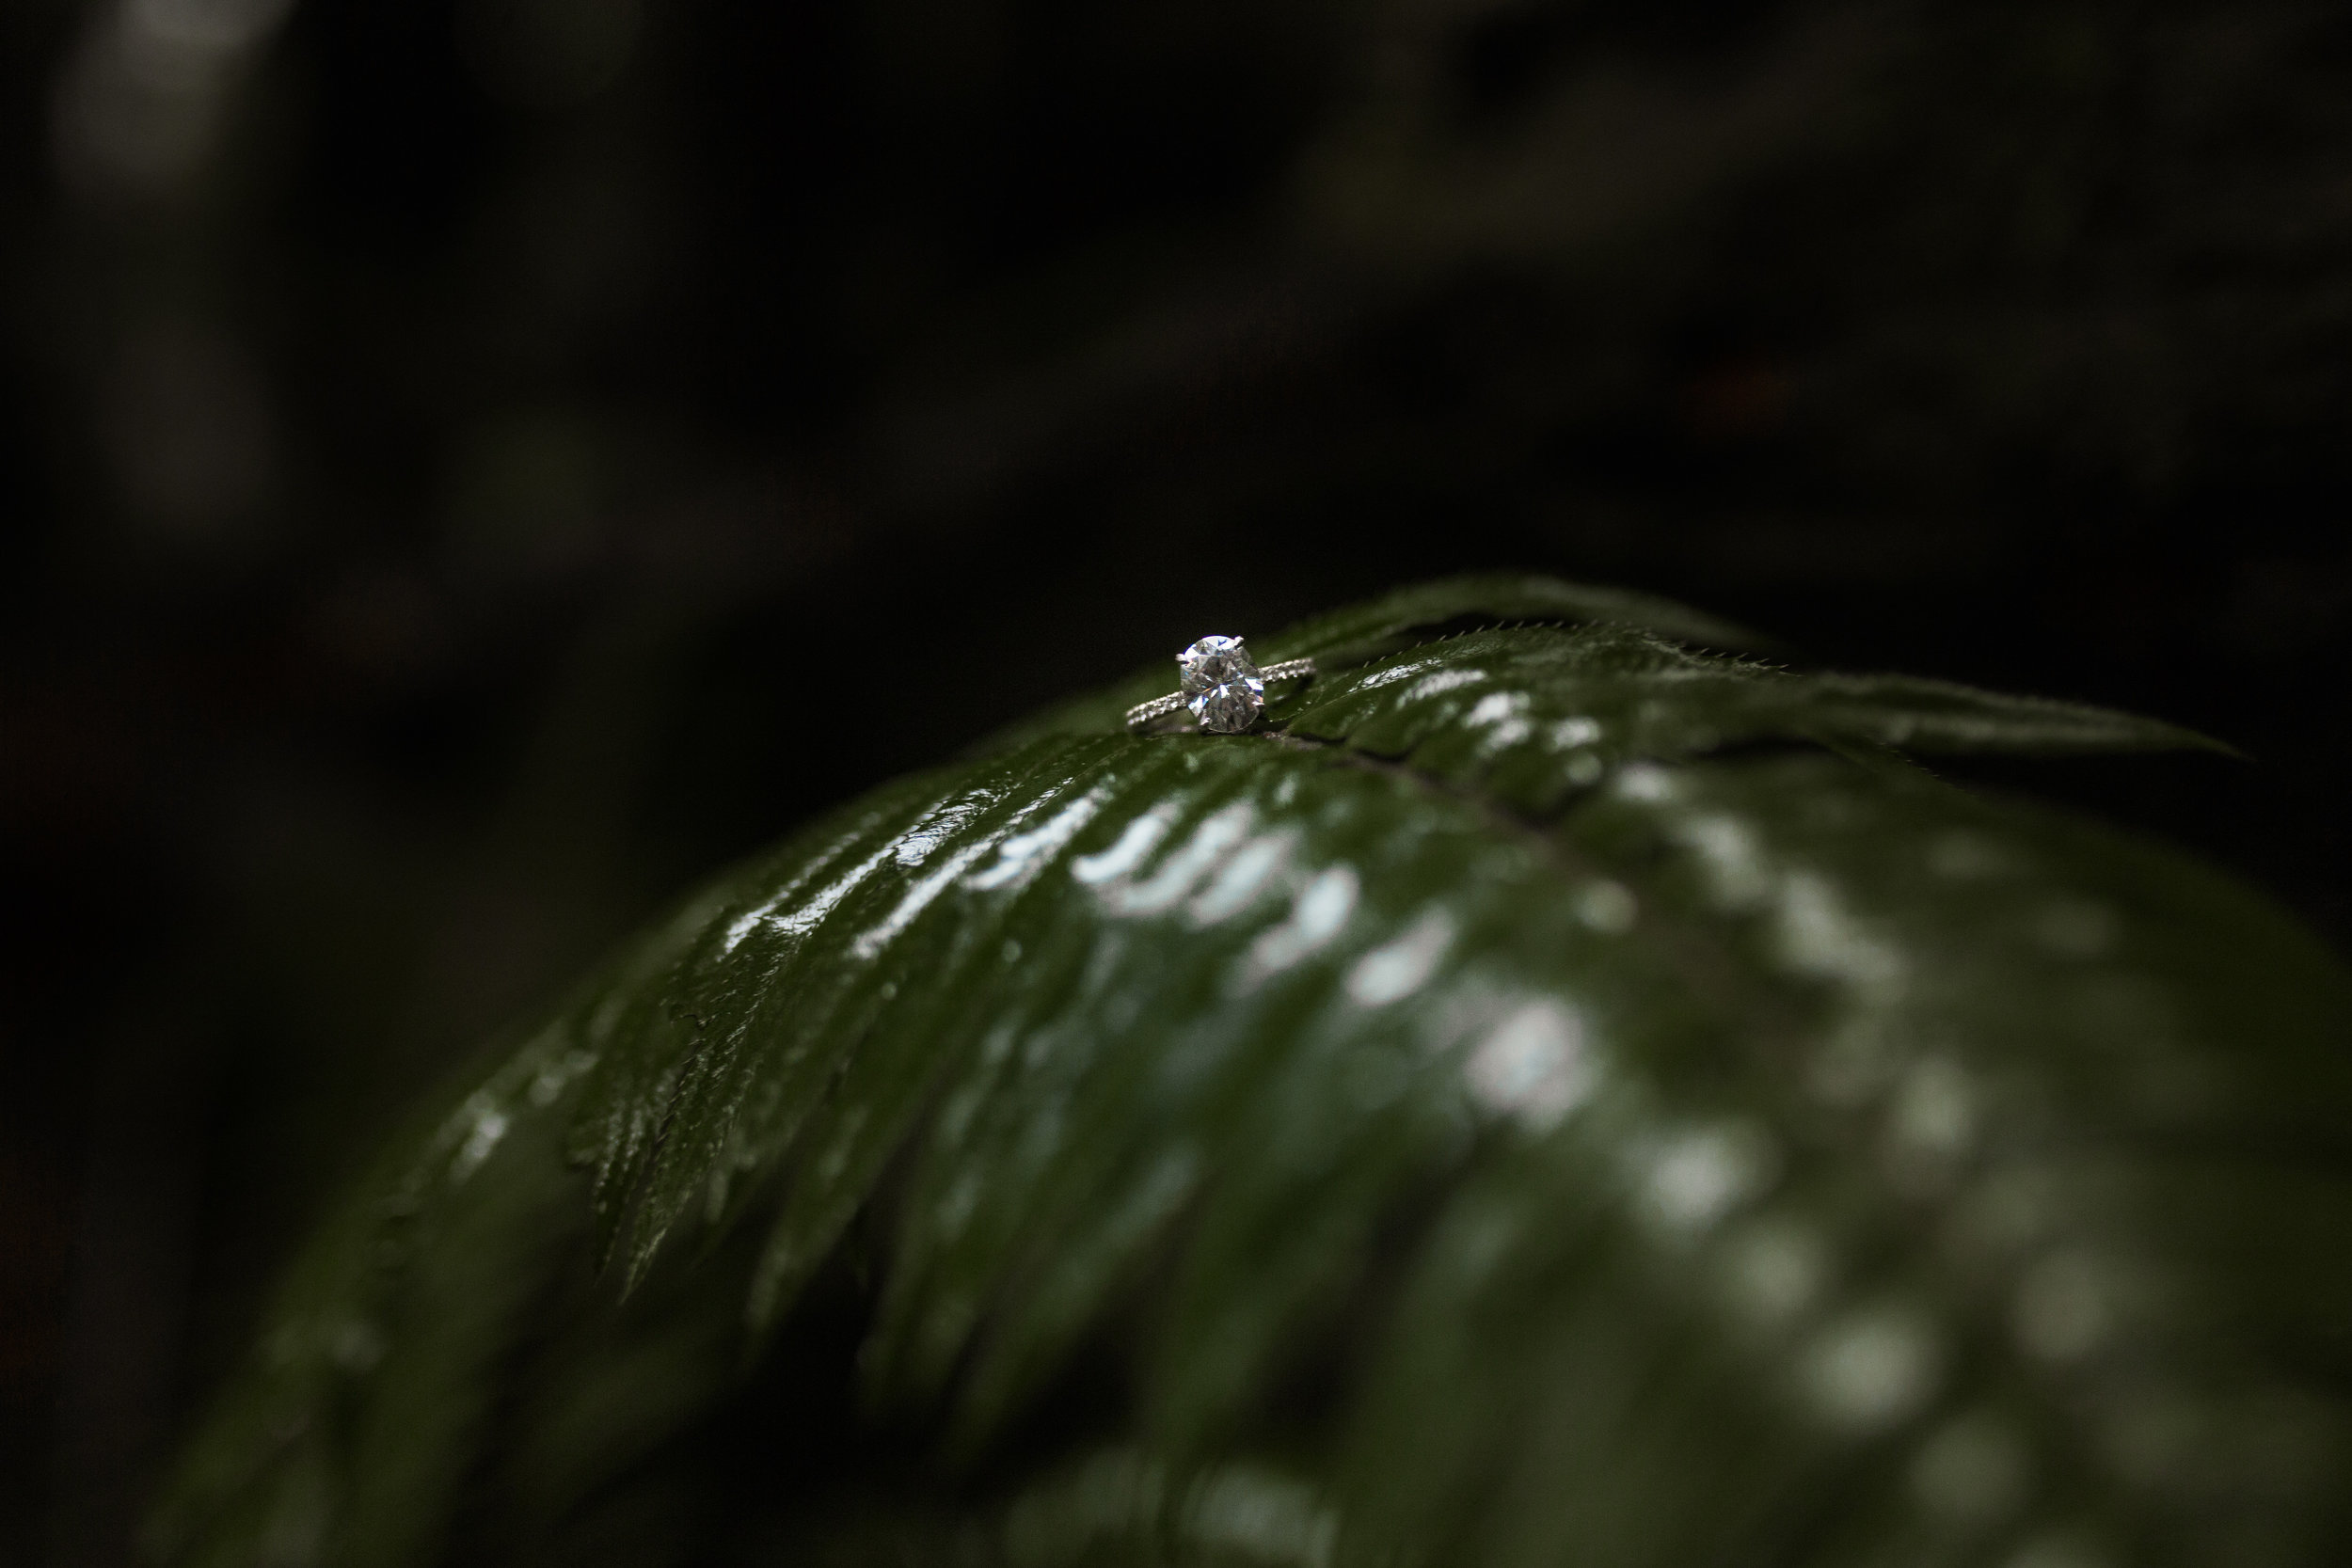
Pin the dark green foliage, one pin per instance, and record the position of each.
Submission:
(1559, 1097)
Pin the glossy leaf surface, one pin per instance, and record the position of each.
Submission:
(1559, 1097)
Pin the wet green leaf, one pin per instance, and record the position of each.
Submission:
(1557, 1096)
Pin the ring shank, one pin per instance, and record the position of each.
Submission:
(1158, 707)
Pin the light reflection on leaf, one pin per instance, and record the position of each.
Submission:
(1563, 1096)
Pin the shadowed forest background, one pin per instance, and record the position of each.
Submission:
(471, 469)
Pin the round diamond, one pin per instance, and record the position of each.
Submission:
(1221, 685)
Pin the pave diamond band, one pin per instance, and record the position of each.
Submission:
(1222, 687)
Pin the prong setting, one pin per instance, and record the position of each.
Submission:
(1221, 685)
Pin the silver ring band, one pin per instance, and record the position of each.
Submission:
(1158, 707)
(1223, 687)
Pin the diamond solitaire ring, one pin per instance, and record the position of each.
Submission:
(1222, 685)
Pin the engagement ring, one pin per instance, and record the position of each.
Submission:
(1222, 685)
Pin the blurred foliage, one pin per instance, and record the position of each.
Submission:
(1558, 1097)
(441, 441)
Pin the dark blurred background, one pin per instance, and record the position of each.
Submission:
(472, 469)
